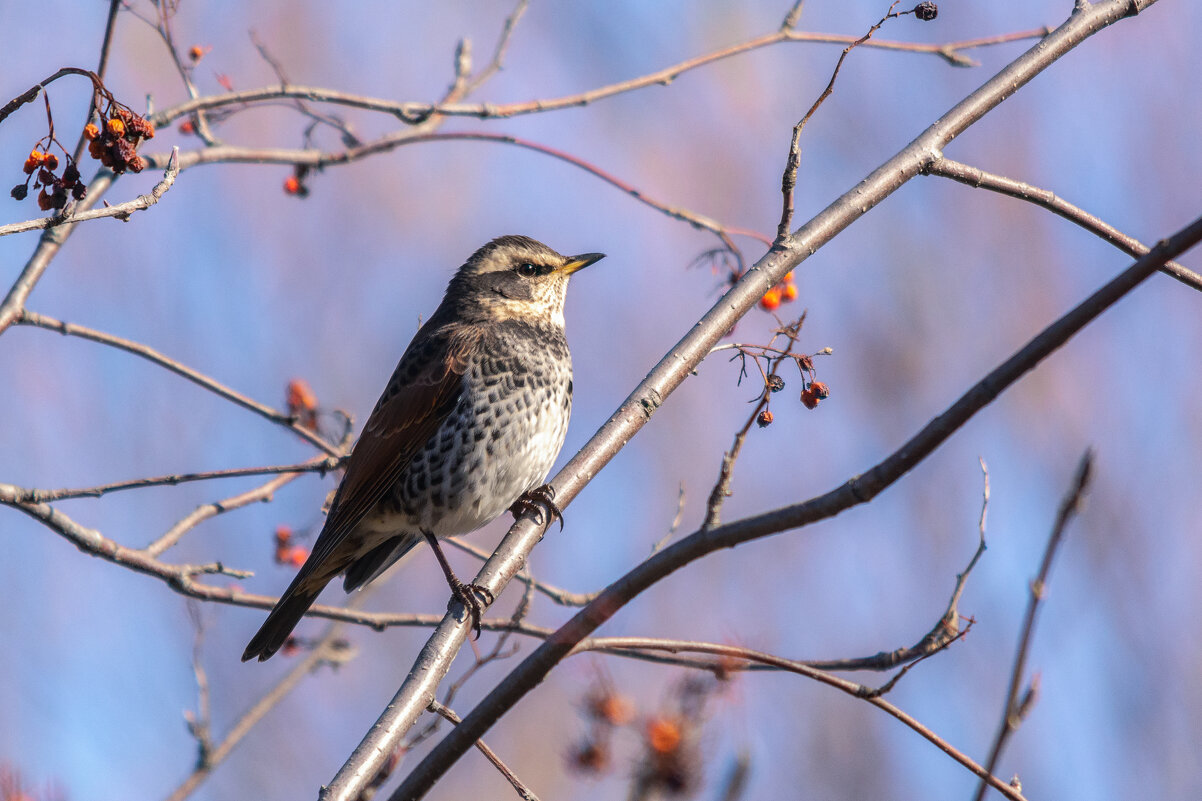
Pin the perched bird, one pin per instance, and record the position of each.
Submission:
(468, 427)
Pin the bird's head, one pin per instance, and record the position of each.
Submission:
(515, 277)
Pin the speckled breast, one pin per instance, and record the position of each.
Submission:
(500, 440)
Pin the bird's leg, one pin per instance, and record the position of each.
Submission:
(538, 500)
(470, 595)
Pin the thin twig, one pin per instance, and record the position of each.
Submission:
(522, 790)
(320, 464)
(972, 176)
(498, 57)
(793, 161)
(329, 649)
(1013, 710)
(317, 159)
(121, 211)
(415, 113)
(196, 377)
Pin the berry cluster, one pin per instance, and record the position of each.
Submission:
(669, 762)
(115, 140)
(784, 292)
(285, 552)
(41, 167)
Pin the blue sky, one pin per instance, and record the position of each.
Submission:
(918, 300)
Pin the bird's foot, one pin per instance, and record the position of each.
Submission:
(539, 500)
(474, 598)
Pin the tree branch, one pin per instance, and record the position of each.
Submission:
(436, 656)
(856, 491)
(972, 176)
(1012, 711)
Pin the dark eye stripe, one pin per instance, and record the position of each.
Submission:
(528, 270)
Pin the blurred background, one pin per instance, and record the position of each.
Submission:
(918, 300)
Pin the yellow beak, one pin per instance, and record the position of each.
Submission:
(575, 263)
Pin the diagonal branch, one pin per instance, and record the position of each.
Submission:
(971, 176)
(196, 377)
(435, 658)
(1013, 711)
(858, 490)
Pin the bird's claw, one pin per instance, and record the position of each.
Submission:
(538, 500)
(474, 598)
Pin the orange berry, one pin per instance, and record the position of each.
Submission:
(196, 52)
(29, 166)
(771, 299)
(283, 534)
(790, 292)
(300, 396)
(50, 161)
(788, 279)
(663, 735)
(116, 127)
(808, 399)
(297, 556)
(611, 708)
(90, 131)
(37, 156)
(187, 127)
(292, 185)
(821, 391)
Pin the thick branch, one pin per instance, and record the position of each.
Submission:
(435, 658)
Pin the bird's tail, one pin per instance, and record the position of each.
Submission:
(291, 607)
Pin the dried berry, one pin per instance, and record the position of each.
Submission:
(764, 420)
(116, 127)
(820, 390)
(79, 191)
(775, 383)
(20, 192)
(71, 174)
(45, 202)
(926, 11)
(91, 131)
(808, 399)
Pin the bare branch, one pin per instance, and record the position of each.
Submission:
(972, 176)
(498, 58)
(1015, 709)
(321, 464)
(436, 656)
(860, 489)
(522, 790)
(415, 113)
(328, 649)
(196, 377)
(121, 211)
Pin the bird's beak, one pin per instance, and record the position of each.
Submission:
(575, 263)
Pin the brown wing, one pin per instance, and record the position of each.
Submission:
(423, 390)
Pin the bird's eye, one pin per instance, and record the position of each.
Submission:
(527, 270)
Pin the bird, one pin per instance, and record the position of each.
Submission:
(467, 427)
